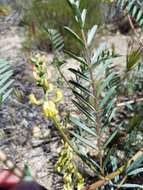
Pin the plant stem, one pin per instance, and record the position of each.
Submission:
(96, 110)
(112, 175)
(65, 137)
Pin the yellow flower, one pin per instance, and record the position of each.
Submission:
(33, 100)
(49, 109)
(59, 96)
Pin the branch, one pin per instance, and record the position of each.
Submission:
(112, 175)
(95, 101)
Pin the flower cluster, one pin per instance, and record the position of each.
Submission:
(52, 97)
(49, 105)
(65, 165)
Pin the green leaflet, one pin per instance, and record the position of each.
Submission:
(75, 8)
(135, 172)
(5, 87)
(84, 111)
(82, 126)
(108, 156)
(6, 94)
(110, 106)
(105, 83)
(83, 101)
(91, 35)
(112, 136)
(74, 35)
(112, 115)
(56, 39)
(3, 63)
(128, 185)
(136, 164)
(84, 140)
(97, 53)
(133, 59)
(91, 162)
(4, 68)
(102, 68)
(27, 172)
(83, 17)
(108, 95)
(80, 87)
(79, 74)
(73, 55)
(114, 163)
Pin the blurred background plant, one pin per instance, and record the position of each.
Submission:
(4, 10)
(6, 80)
(50, 14)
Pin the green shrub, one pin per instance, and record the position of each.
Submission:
(110, 149)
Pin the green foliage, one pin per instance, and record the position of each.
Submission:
(5, 80)
(96, 90)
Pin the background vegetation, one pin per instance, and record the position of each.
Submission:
(53, 14)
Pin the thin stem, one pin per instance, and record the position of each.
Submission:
(98, 124)
(65, 137)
